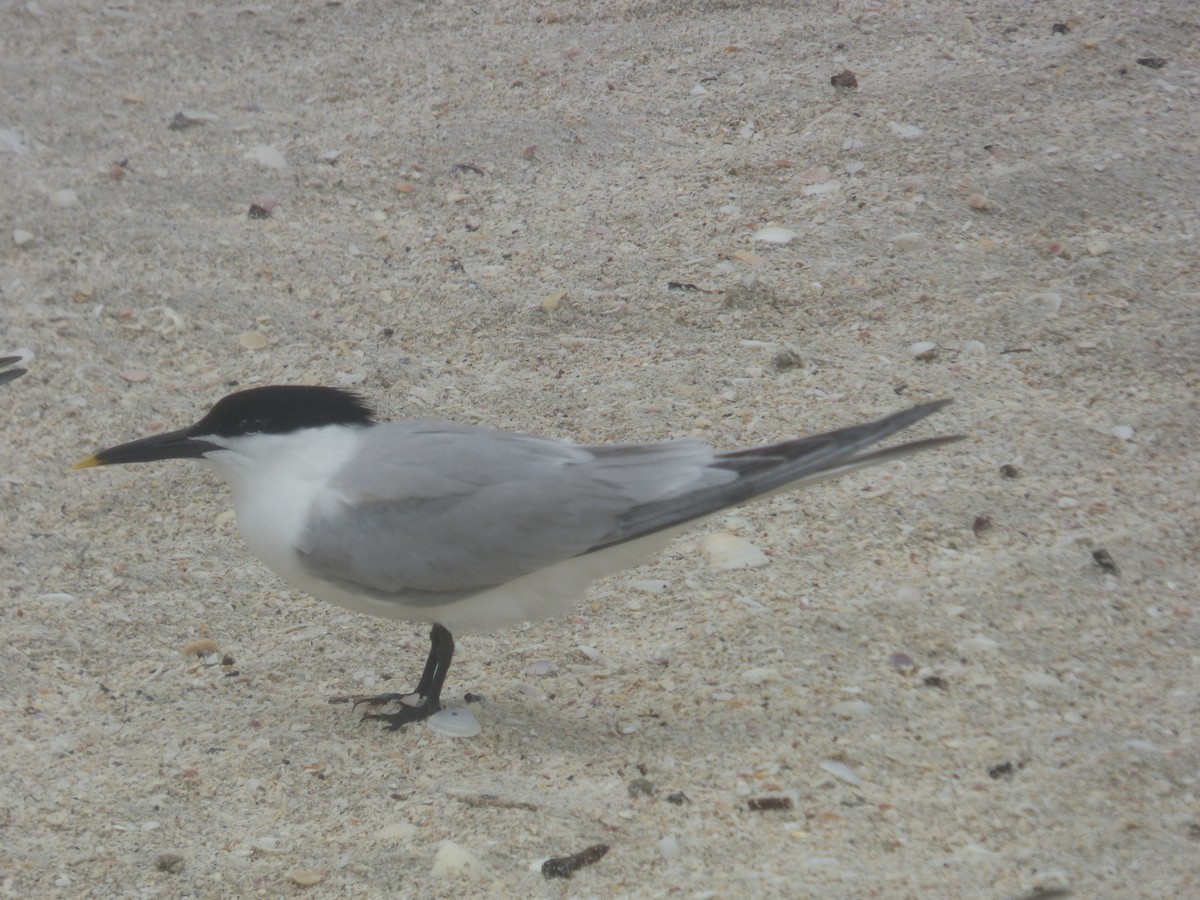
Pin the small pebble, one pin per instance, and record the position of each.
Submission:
(566, 866)
(171, 863)
(306, 632)
(786, 359)
(267, 844)
(1053, 883)
(763, 804)
(923, 350)
(252, 340)
(1047, 302)
(844, 79)
(1099, 247)
(22, 238)
(453, 859)
(542, 667)
(648, 585)
(1041, 680)
(824, 187)
(13, 142)
(759, 676)
(1002, 770)
(65, 197)
(306, 877)
(456, 723)
(978, 644)
(979, 201)
(262, 207)
(973, 350)
(202, 647)
(908, 242)
(1143, 745)
(670, 847)
(1122, 432)
(852, 709)
(641, 787)
(1105, 561)
(188, 118)
(398, 831)
(905, 132)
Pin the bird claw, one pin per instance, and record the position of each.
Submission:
(405, 715)
(412, 698)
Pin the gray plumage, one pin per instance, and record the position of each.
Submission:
(432, 512)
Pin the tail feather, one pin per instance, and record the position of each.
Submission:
(787, 465)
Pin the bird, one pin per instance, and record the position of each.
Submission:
(469, 528)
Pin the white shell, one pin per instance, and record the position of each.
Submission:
(908, 241)
(1047, 302)
(775, 235)
(922, 349)
(842, 771)
(266, 155)
(728, 551)
(459, 723)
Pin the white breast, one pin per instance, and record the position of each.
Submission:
(275, 479)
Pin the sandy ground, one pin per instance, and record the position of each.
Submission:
(543, 218)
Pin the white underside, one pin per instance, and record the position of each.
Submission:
(539, 595)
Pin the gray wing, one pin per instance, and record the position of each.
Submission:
(445, 510)
(434, 508)
(788, 465)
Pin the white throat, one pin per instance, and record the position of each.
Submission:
(275, 478)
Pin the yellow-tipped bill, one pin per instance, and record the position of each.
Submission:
(168, 445)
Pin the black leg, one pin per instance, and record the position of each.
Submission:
(429, 688)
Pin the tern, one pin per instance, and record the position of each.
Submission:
(465, 527)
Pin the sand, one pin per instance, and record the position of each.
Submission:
(544, 218)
